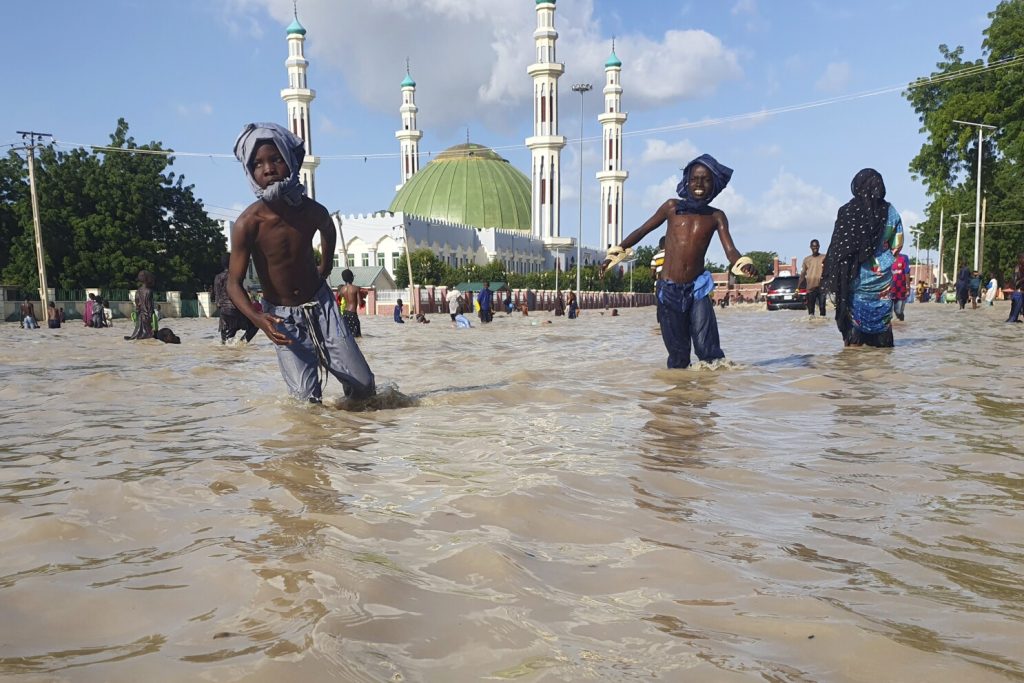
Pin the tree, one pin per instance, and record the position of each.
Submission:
(106, 215)
(427, 269)
(764, 264)
(948, 160)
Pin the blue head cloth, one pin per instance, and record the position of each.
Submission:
(719, 173)
(293, 151)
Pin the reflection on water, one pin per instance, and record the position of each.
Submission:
(528, 502)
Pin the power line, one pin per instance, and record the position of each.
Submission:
(966, 72)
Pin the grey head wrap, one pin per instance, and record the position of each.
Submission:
(292, 149)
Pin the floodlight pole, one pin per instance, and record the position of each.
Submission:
(581, 88)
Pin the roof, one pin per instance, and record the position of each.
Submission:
(478, 286)
(407, 82)
(370, 276)
(296, 27)
(468, 184)
(613, 60)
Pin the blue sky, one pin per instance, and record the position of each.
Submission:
(190, 73)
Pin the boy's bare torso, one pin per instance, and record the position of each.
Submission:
(686, 243)
(281, 244)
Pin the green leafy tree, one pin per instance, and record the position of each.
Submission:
(948, 160)
(427, 269)
(106, 215)
(764, 263)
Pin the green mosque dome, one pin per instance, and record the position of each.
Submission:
(613, 60)
(408, 82)
(296, 27)
(468, 184)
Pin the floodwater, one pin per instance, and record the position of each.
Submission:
(556, 506)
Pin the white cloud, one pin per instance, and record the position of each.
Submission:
(679, 153)
(836, 77)
(656, 194)
(189, 111)
(910, 218)
(748, 10)
(790, 205)
(473, 56)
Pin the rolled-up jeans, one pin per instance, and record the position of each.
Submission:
(687, 319)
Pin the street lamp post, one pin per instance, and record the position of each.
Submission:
(558, 257)
(977, 200)
(414, 303)
(581, 88)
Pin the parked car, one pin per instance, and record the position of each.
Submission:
(782, 292)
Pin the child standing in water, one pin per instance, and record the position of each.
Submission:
(299, 311)
(685, 311)
(144, 312)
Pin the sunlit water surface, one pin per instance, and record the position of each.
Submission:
(556, 506)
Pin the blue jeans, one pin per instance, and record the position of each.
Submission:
(685, 320)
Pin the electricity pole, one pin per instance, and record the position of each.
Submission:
(32, 137)
(977, 201)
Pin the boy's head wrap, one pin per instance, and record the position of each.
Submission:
(293, 151)
(719, 173)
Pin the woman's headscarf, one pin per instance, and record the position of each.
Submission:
(859, 225)
(293, 151)
(719, 173)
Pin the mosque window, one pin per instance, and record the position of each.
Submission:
(366, 260)
(380, 259)
(335, 262)
(395, 255)
(351, 260)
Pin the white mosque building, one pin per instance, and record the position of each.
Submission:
(470, 205)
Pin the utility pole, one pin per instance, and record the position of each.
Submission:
(938, 278)
(32, 137)
(977, 201)
(956, 250)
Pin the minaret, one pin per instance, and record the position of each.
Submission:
(409, 136)
(546, 144)
(297, 98)
(611, 176)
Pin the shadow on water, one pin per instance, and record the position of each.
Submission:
(796, 360)
(674, 438)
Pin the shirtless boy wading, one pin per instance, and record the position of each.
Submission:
(300, 315)
(686, 312)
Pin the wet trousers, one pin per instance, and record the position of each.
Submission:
(686, 320)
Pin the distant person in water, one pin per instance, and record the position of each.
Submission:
(231, 319)
(299, 312)
(52, 316)
(28, 315)
(810, 279)
(686, 312)
(349, 294)
(144, 311)
(396, 313)
(867, 237)
(900, 290)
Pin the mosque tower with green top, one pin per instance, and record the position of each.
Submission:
(297, 98)
(546, 144)
(611, 176)
(409, 136)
